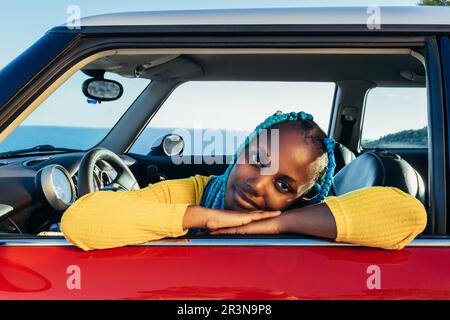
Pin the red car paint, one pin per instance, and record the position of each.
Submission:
(264, 273)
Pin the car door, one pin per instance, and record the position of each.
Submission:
(238, 267)
(224, 268)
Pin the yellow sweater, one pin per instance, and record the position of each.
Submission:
(382, 217)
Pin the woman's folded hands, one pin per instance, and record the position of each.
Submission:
(223, 220)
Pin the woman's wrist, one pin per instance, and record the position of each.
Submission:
(286, 221)
(195, 217)
(316, 220)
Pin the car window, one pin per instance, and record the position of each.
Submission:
(68, 119)
(230, 110)
(395, 118)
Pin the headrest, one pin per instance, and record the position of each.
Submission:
(379, 168)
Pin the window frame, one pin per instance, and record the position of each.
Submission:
(444, 42)
(298, 241)
(437, 159)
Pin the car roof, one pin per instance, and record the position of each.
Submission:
(389, 15)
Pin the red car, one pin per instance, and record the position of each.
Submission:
(146, 85)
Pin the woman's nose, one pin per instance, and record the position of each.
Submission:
(259, 185)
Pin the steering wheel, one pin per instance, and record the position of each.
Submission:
(124, 181)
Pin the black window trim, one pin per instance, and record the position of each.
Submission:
(445, 58)
(437, 140)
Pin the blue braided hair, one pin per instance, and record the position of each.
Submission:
(214, 193)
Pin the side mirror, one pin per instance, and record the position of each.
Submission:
(173, 145)
(102, 89)
(169, 145)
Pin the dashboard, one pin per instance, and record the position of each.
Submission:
(37, 189)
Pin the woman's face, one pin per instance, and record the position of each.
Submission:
(250, 188)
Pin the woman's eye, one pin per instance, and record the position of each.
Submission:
(283, 187)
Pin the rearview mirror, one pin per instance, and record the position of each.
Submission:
(102, 89)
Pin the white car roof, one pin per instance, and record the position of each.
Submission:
(419, 15)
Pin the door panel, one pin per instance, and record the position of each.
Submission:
(178, 270)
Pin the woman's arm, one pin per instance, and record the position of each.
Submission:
(382, 217)
(109, 219)
(316, 220)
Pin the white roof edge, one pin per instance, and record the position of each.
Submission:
(402, 15)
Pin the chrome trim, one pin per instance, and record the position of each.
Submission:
(44, 182)
(220, 242)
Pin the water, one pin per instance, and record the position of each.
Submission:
(68, 137)
(85, 138)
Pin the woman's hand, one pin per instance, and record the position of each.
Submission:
(200, 217)
(316, 220)
(267, 226)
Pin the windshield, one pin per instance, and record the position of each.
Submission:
(67, 119)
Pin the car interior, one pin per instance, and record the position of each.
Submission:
(30, 207)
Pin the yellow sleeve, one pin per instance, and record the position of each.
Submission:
(107, 219)
(384, 217)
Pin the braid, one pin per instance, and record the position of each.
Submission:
(214, 194)
(327, 179)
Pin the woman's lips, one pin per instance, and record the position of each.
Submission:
(243, 200)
